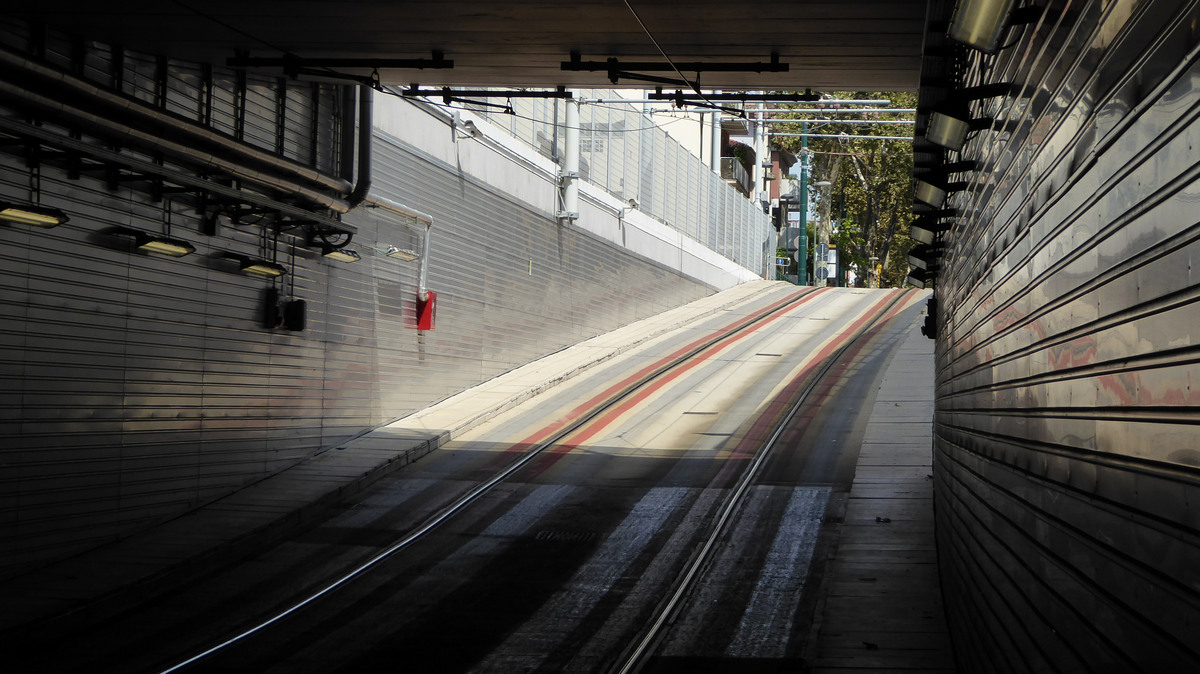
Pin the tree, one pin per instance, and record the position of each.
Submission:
(870, 196)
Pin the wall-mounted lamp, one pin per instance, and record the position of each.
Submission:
(950, 122)
(31, 214)
(402, 254)
(933, 193)
(925, 256)
(981, 23)
(950, 129)
(925, 229)
(919, 278)
(152, 243)
(339, 254)
(257, 267)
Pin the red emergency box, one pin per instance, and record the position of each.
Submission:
(426, 311)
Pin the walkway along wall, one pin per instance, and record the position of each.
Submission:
(135, 386)
(1067, 450)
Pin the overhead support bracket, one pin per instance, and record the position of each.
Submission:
(611, 65)
(294, 65)
(416, 90)
(681, 98)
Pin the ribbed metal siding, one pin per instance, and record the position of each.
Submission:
(1068, 470)
(134, 387)
(306, 119)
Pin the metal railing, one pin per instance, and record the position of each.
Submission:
(623, 151)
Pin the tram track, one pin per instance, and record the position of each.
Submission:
(641, 648)
(627, 391)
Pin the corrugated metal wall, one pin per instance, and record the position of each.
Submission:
(1067, 445)
(137, 386)
(134, 387)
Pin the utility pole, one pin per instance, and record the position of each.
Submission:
(802, 247)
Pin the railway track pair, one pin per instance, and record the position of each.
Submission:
(591, 414)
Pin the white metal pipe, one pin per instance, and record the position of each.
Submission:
(570, 170)
(839, 121)
(423, 264)
(727, 102)
(839, 135)
(839, 111)
(715, 159)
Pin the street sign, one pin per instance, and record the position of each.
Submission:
(782, 261)
(822, 273)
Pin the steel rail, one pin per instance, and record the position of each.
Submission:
(721, 335)
(634, 658)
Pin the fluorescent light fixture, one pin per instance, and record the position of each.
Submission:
(262, 268)
(30, 214)
(980, 23)
(339, 254)
(164, 245)
(256, 266)
(402, 254)
(152, 243)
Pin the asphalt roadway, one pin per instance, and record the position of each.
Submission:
(561, 565)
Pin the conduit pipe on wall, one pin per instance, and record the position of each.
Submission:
(570, 170)
(715, 135)
(119, 108)
(366, 134)
(124, 134)
(176, 176)
(401, 209)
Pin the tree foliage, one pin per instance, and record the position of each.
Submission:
(869, 201)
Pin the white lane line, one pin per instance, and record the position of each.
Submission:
(766, 624)
(526, 648)
(684, 637)
(654, 580)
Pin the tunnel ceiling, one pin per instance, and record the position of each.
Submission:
(848, 44)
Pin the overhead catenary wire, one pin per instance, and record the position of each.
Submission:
(536, 120)
(667, 58)
(841, 136)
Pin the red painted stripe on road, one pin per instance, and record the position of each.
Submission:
(607, 394)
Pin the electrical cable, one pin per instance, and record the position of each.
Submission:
(536, 120)
(668, 58)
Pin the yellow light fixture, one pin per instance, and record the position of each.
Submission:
(38, 216)
(252, 266)
(164, 245)
(339, 254)
(262, 268)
